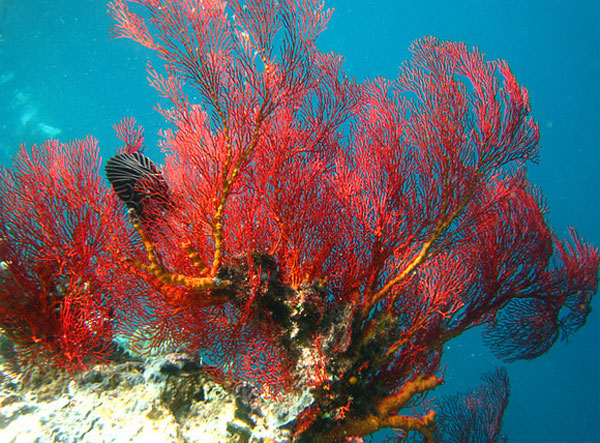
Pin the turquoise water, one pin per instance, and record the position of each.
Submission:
(61, 76)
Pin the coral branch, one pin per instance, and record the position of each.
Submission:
(386, 410)
(421, 384)
(197, 284)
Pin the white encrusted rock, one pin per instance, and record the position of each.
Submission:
(138, 402)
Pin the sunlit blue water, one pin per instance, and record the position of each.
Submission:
(61, 76)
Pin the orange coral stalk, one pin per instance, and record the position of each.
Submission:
(164, 275)
(386, 410)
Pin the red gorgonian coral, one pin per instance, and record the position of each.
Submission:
(306, 231)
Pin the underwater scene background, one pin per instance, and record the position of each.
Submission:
(61, 76)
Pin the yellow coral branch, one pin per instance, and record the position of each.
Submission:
(417, 386)
(194, 257)
(227, 182)
(425, 249)
(386, 417)
(371, 424)
(164, 275)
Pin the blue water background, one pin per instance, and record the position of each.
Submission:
(61, 75)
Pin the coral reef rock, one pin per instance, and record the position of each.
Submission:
(166, 399)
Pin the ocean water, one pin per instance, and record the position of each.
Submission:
(62, 76)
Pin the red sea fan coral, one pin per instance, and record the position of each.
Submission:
(307, 233)
(475, 415)
(346, 231)
(61, 231)
(235, 200)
